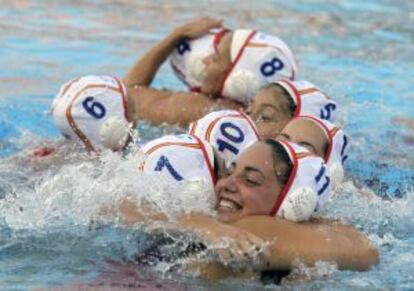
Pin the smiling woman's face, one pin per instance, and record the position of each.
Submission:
(217, 65)
(307, 134)
(252, 185)
(270, 110)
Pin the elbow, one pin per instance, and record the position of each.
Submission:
(373, 257)
(367, 259)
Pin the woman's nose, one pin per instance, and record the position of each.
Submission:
(230, 184)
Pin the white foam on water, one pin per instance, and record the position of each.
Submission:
(372, 214)
(76, 191)
(303, 274)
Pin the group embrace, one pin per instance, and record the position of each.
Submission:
(264, 143)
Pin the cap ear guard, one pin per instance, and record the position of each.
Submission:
(299, 205)
(196, 67)
(336, 150)
(307, 187)
(198, 185)
(187, 59)
(336, 173)
(256, 59)
(337, 158)
(114, 133)
(92, 111)
(242, 85)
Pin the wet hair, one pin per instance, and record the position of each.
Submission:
(215, 165)
(291, 102)
(325, 148)
(279, 153)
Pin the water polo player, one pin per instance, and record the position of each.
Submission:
(279, 179)
(250, 59)
(273, 178)
(228, 131)
(243, 60)
(94, 111)
(183, 157)
(277, 103)
(321, 137)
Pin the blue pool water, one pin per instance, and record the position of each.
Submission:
(360, 52)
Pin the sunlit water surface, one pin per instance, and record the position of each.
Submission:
(360, 52)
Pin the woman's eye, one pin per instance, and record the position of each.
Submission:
(266, 118)
(252, 182)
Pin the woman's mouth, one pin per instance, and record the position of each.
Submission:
(226, 205)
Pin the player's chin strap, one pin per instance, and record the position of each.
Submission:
(196, 67)
(336, 173)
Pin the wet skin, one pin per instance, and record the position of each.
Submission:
(306, 133)
(252, 185)
(270, 111)
(217, 66)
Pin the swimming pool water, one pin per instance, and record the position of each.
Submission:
(360, 53)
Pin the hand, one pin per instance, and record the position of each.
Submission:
(236, 246)
(231, 244)
(197, 27)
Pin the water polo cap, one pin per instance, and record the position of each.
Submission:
(181, 157)
(228, 131)
(336, 152)
(256, 59)
(309, 99)
(187, 59)
(92, 110)
(308, 182)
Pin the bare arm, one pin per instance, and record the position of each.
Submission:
(308, 242)
(144, 70)
(311, 242)
(159, 106)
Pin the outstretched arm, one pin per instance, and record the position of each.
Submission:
(164, 106)
(266, 243)
(158, 106)
(311, 242)
(144, 70)
(287, 241)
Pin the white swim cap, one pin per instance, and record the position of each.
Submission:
(309, 99)
(228, 131)
(187, 59)
(92, 111)
(256, 59)
(336, 152)
(114, 133)
(308, 182)
(181, 157)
